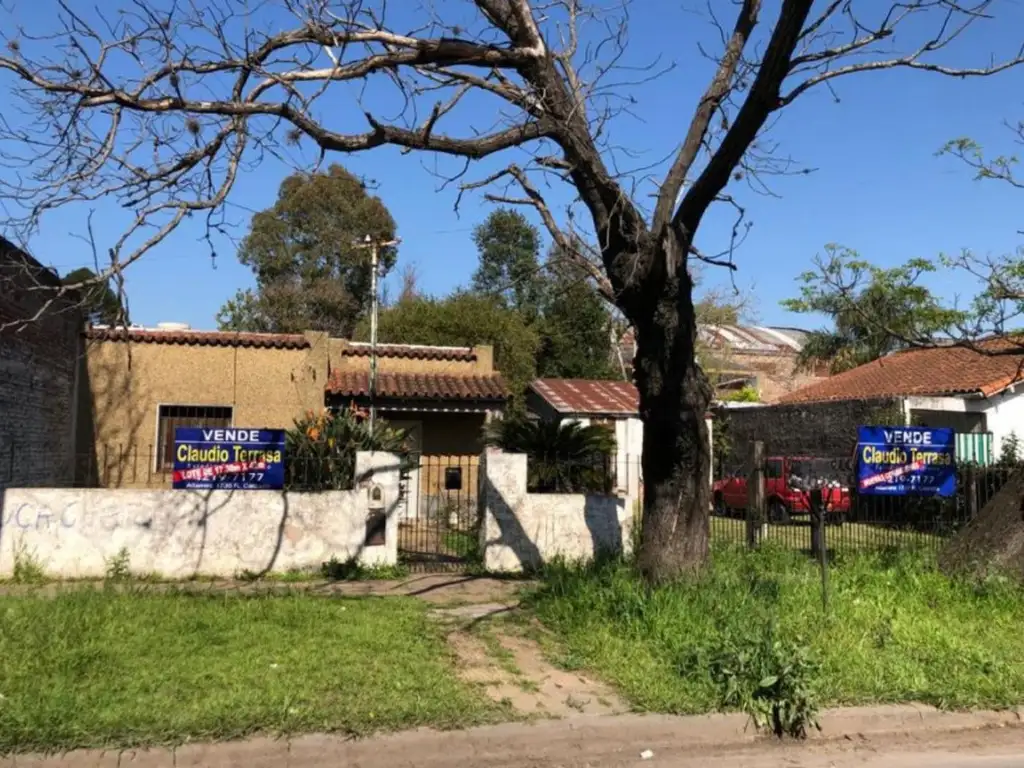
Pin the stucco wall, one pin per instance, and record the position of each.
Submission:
(75, 533)
(125, 384)
(523, 530)
(38, 366)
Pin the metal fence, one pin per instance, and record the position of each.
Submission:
(851, 521)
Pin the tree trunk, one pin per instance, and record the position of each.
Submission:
(674, 399)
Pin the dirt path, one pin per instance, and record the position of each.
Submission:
(498, 653)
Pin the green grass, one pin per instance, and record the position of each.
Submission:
(848, 536)
(98, 668)
(897, 629)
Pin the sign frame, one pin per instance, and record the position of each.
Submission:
(906, 461)
(228, 459)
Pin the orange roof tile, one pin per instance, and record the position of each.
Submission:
(200, 338)
(925, 372)
(419, 386)
(410, 351)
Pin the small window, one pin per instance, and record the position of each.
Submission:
(773, 469)
(173, 416)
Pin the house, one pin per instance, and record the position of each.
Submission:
(738, 357)
(977, 393)
(615, 403)
(138, 384)
(39, 350)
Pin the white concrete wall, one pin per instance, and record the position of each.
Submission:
(520, 530)
(1004, 413)
(75, 533)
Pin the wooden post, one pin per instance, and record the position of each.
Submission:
(755, 494)
(819, 546)
(972, 492)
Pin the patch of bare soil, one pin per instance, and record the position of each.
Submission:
(512, 669)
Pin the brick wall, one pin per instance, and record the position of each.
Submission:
(825, 430)
(38, 361)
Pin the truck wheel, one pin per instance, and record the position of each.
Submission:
(777, 512)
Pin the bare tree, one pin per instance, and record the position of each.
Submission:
(164, 105)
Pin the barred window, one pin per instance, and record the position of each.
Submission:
(172, 416)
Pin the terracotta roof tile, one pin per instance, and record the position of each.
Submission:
(410, 351)
(924, 372)
(579, 396)
(419, 386)
(200, 338)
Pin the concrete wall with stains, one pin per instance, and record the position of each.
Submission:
(522, 530)
(77, 533)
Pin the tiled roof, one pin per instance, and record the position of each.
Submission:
(937, 371)
(586, 396)
(410, 351)
(200, 338)
(419, 386)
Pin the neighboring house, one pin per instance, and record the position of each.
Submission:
(39, 349)
(615, 403)
(757, 357)
(140, 383)
(974, 393)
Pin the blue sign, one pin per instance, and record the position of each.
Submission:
(228, 458)
(906, 461)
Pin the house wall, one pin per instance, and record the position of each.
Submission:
(826, 430)
(521, 530)
(1004, 416)
(38, 367)
(76, 533)
(125, 383)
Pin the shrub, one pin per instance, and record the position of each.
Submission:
(321, 448)
(563, 456)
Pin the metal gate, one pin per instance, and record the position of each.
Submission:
(439, 528)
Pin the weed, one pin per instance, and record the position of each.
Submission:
(353, 570)
(770, 680)
(247, 575)
(119, 567)
(27, 568)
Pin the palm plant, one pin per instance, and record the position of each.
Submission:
(563, 456)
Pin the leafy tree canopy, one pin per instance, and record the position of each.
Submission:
(509, 269)
(463, 319)
(100, 302)
(874, 310)
(311, 274)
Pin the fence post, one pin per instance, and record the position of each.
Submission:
(819, 546)
(972, 492)
(755, 494)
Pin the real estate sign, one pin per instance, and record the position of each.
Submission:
(906, 461)
(228, 458)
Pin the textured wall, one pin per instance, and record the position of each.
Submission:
(825, 430)
(178, 534)
(523, 530)
(38, 363)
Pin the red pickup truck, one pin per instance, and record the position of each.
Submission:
(788, 483)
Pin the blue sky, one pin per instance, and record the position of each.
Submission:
(878, 187)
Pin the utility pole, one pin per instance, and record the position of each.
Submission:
(374, 246)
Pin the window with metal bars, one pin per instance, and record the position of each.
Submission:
(173, 416)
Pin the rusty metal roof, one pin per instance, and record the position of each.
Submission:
(587, 396)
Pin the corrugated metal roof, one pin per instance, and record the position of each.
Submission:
(586, 396)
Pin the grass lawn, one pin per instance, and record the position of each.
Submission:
(848, 536)
(95, 668)
(897, 630)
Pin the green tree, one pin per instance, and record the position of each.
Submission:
(100, 302)
(574, 326)
(464, 319)
(310, 272)
(509, 247)
(874, 310)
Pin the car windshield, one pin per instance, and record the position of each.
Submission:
(815, 473)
